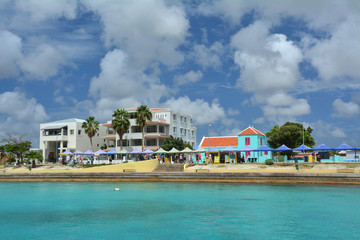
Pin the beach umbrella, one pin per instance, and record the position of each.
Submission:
(65, 153)
(322, 147)
(123, 151)
(77, 152)
(200, 149)
(283, 148)
(135, 151)
(111, 151)
(245, 149)
(302, 147)
(344, 147)
(161, 150)
(228, 149)
(264, 149)
(187, 150)
(88, 152)
(100, 151)
(148, 151)
(174, 150)
(214, 149)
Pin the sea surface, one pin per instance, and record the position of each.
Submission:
(178, 211)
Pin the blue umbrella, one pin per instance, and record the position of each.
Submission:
(302, 147)
(228, 149)
(88, 152)
(322, 147)
(264, 149)
(245, 149)
(283, 148)
(344, 147)
(111, 151)
(148, 151)
(214, 149)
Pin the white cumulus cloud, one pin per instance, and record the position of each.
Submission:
(345, 109)
(189, 77)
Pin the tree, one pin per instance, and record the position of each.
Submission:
(34, 155)
(143, 114)
(91, 127)
(16, 146)
(121, 123)
(290, 134)
(171, 142)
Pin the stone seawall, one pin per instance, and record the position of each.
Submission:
(291, 178)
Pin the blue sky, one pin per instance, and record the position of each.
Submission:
(229, 63)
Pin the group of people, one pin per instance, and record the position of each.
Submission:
(71, 160)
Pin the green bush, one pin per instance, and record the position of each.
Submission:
(269, 162)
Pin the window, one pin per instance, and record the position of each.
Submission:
(191, 120)
(247, 141)
(137, 142)
(184, 119)
(181, 118)
(79, 132)
(151, 129)
(161, 129)
(151, 142)
(174, 129)
(247, 154)
(266, 153)
(174, 117)
(65, 144)
(260, 141)
(181, 131)
(185, 132)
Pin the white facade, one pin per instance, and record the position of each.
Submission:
(165, 122)
(59, 136)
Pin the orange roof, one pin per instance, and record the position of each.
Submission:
(219, 141)
(155, 135)
(158, 109)
(109, 137)
(251, 131)
(107, 124)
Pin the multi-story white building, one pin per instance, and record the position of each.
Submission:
(59, 136)
(165, 122)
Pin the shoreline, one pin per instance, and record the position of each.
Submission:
(256, 178)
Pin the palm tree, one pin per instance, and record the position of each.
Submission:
(91, 127)
(120, 123)
(143, 114)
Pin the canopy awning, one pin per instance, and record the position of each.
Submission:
(283, 148)
(160, 150)
(89, 152)
(53, 127)
(322, 147)
(245, 149)
(302, 148)
(344, 147)
(187, 150)
(228, 149)
(264, 149)
(148, 151)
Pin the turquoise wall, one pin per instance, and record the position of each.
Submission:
(256, 141)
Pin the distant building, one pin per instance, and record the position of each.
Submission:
(165, 122)
(249, 138)
(59, 136)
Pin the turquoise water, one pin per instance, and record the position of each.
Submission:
(178, 211)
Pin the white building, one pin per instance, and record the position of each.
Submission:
(165, 122)
(59, 136)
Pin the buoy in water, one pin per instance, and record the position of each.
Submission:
(116, 189)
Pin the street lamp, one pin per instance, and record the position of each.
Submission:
(209, 142)
(303, 141)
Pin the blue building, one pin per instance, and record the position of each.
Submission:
(247, 140)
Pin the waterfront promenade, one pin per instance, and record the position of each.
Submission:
(345, 173)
